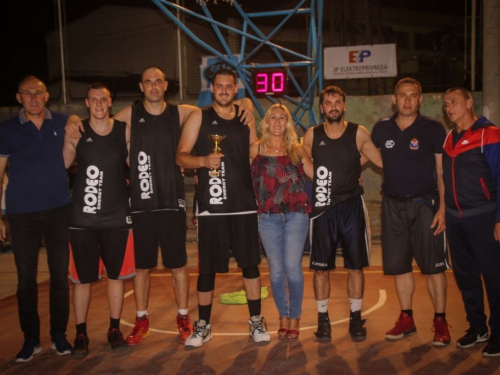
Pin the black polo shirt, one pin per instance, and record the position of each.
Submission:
(409, 155)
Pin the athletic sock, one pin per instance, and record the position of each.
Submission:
(182, 311)
(440, 315)
(114, 323)
(254, 306)
(205, 311)
(322, 305)
(408, 312)
(142, 313)
(81, 329)
(355, 304)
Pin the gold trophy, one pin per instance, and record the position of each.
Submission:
(216, 139)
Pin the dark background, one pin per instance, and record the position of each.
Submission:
(26, 22)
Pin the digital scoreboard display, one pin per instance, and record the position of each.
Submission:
(270, 82)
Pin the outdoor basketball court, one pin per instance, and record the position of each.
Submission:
(231, 351)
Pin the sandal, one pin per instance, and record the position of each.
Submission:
(283, 331)
(293, 333)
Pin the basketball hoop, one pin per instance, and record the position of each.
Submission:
(215, 1)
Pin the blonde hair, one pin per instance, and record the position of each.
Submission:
(290, 137)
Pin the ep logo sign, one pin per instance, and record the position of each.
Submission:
(358, 56)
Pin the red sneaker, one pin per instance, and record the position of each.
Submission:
(405, 326)
(441, 333)
(140, 330)
(184, 326)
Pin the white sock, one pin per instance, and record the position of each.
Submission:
(355, 304)
(322, 305)
(182, 311)
(142, 313)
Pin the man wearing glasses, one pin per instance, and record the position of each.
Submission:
(37, 201)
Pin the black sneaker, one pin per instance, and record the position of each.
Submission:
(492, 349)
(7, 249)
(60, 344)
(471, 338)
(324, 331)
(81, 347)
(30, 347)
(356, 329)
(115, 338)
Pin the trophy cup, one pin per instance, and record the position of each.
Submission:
(216, 139)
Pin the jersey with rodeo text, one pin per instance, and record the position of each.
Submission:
(232, 191)
(100, 192)
(337, 168)
(155, 180)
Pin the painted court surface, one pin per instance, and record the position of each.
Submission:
(231, 351)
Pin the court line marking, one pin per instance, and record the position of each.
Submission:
(382, 298)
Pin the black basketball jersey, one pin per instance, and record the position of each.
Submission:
(100, 191)
(337, 167)
(231, 192)
(155, 180)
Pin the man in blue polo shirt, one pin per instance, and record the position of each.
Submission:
(37, 201)
(413, 216)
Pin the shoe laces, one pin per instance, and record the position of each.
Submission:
(60, 340)
(440, 326)
(259, 325)
(80, 336)
(198, 329)
(400, 323)
(138, 326)
(115, 331)
(471, 332)
(357, 323)
(183, 324)
(28, 345)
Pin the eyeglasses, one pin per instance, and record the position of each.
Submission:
(30, 94)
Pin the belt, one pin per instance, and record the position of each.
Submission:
(407, 198)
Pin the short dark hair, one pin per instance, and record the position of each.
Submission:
(465, 93)
(331, 90)
(412, 81)
(98, 86)
(225, 72)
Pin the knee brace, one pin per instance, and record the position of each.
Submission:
(206, 282)
(251, 272)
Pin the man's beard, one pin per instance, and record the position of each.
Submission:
(333, 119)
(226, 102)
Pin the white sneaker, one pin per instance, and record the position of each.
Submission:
(258, 329)
(202, 332)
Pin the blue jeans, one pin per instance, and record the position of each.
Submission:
(283, 237)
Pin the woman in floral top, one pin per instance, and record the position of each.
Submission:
(278, 166)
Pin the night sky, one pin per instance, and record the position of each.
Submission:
(26, 22)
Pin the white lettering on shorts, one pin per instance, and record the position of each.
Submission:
(319, 264)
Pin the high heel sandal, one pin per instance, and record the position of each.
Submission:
(283, 331)
(293, 333)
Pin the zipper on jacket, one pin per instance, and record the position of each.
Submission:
(485, 188)
(454, 187)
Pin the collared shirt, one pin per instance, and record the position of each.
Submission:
(38, 179)
(409, 155)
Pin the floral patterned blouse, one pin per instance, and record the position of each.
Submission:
(279, 186)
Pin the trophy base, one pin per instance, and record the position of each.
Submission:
(214, 173)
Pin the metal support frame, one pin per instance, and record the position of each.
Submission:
(312, 61)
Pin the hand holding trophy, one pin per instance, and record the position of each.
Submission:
(216, 139)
